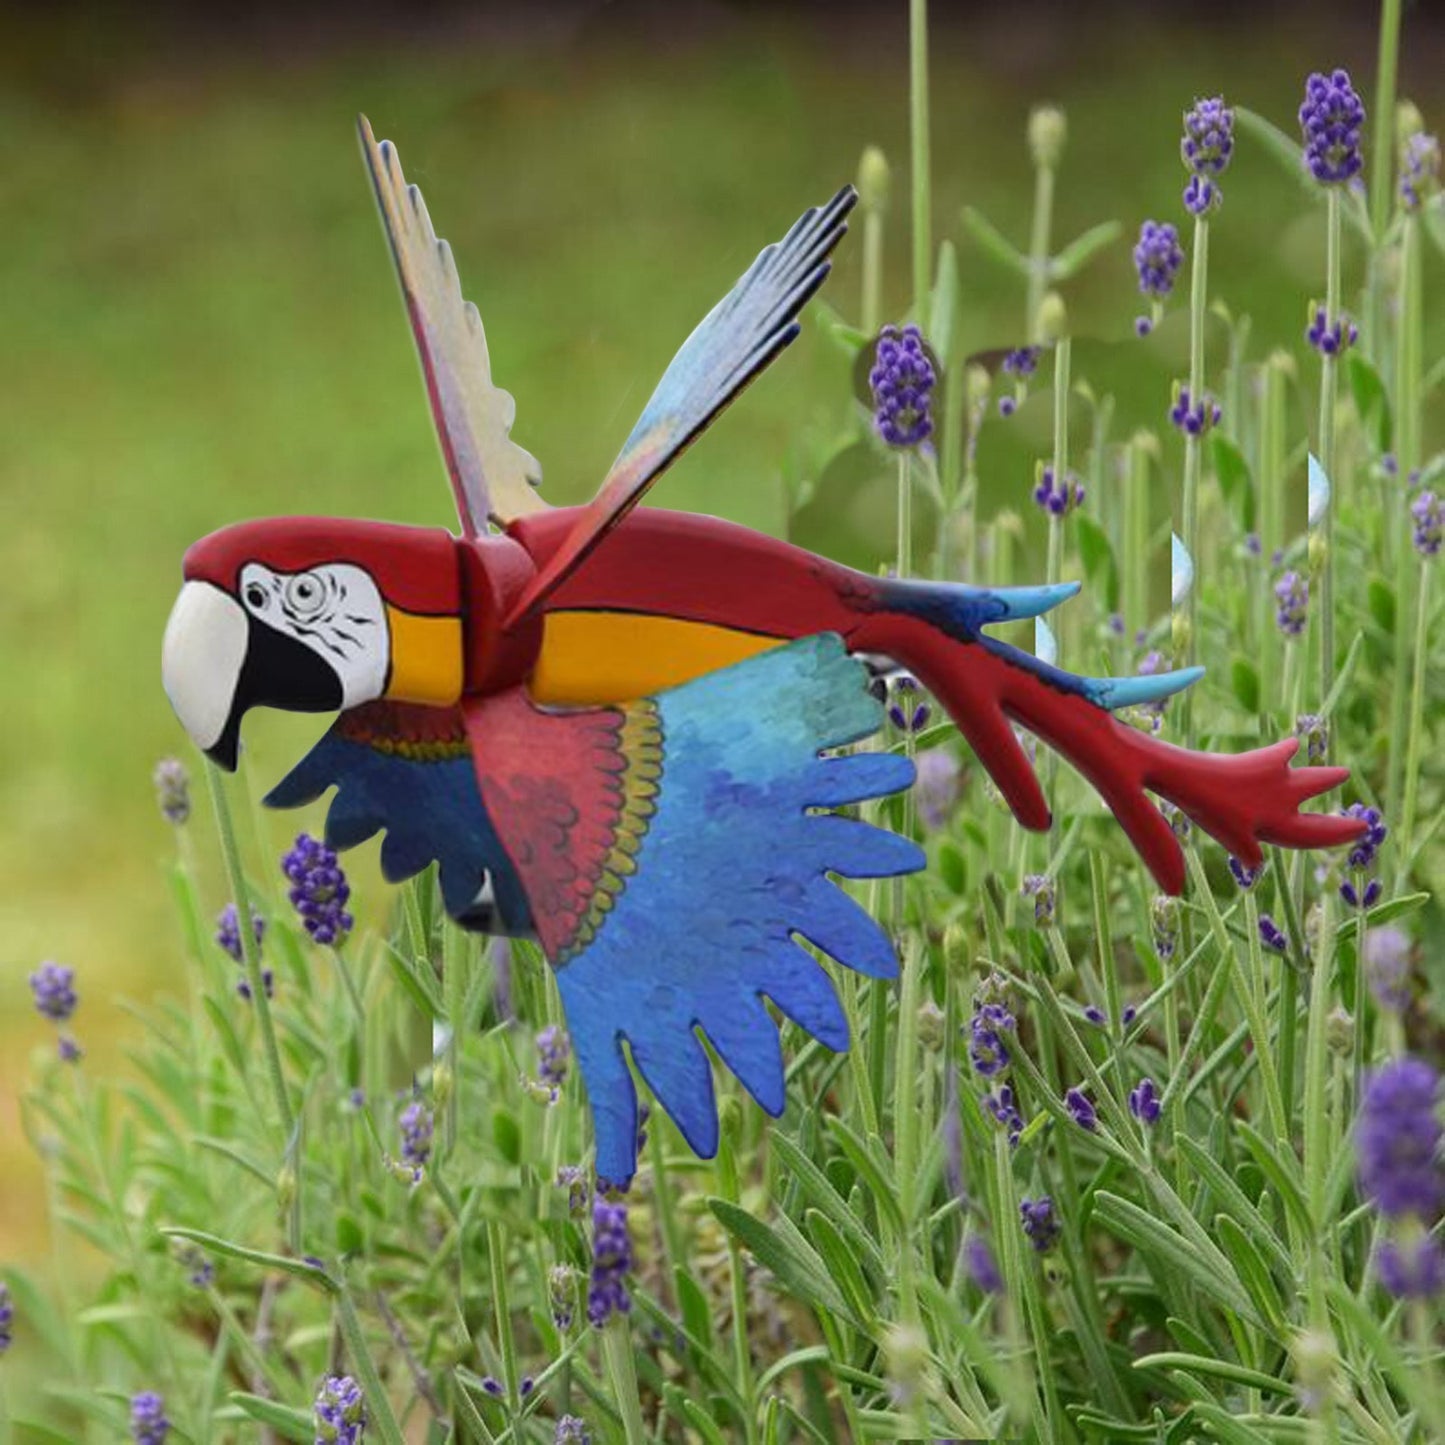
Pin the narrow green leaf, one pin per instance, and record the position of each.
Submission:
(1372, 402)
(944, 309)
(418, 982)
(798, 1270)
(1096, 552)
(237, 1157)
(226, 1032)
(1230, 1197)
(285, 1420)
(1213, 1276)
(842, 1265)
(1383, 913)
(1082, 249)
(1282, 1171)
(299, 1268)
(694, 1414)
(1244, 1255)
(861, 1158)
(1244, 683)
(1235, 479)
(1381, 599)
(1215, 1369)
(820, 1193)
(696, 1311)
(993, 242)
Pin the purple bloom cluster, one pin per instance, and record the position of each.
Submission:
(611, 1261)
(1144, 1103)
(228, 935)
(1331, 340)
(908, 708)
(417, 1127)
(982, 1268)
(52, 984)
(173, 790)
(571, 1430)
(1387, 968)
(1206, 148)
(1314, 732)
(1005, 1110)
(199, 1269)
(7, 1318)
(1164, 924)
(1331, 116)
(1100, 1019)
(571, 1178)
(1061, 499)
(339, 1411)
(1195, 418)
(1271, 935)
(1157, 258)
(148, 1423)
(1022, 362)
(1363, 889)
(986, 1049)
(562, 1295)
(554, 1049)
(1397, 1142)
(937, 787)
(1411, 1271)
(1040, 887)
(1419, 170)
(1292, 601)
(319, 890)
(1040, 1224)
(1427, 512)
(902, 382)
(1081, 1109)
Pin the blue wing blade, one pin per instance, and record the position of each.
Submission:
(732, 880)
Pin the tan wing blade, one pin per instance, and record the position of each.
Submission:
(492, 477)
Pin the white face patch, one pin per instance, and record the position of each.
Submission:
(336, 610)
(201, 657)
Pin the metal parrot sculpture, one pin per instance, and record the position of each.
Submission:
(618, 730)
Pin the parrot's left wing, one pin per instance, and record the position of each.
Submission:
(492, 477)
(675, 851)
(735, 342)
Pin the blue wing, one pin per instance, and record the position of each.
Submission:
(730, 875)
(409, 770)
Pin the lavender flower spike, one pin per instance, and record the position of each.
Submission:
(319, 890)
(1397, 1142)
(1206, 149)
(1292, 599)
(148, 1423)
(1419, 170)
(611, 1262)
(1331, 116)
(55, 996)
(339, 1411)
(902, 382)
(7, 1318)
(1427, 512)
(1158, 257)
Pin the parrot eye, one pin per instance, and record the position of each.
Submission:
(255, 596)
(303, 594)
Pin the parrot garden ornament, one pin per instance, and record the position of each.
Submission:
(617, 730)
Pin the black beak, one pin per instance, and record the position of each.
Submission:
(278, 672)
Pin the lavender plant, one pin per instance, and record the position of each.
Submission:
(1106, 1166)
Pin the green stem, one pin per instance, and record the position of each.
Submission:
(1382, 158)
(377, 1404)
(872, 310)
(1417, 718)
(1136, 533)
(1272, 439)
(905, 1122)
(1193, 455)
(1062, 360)
(497, 1264)
(1409, 346)
(1039, 249)
(730, 1188)
(250, 954)
(622, 1373)
(1329, 365)
(918, 127)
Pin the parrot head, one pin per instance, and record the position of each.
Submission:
(311, 615)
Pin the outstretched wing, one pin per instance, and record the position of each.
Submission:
(675, 852)
(492, 477)
(736, 341)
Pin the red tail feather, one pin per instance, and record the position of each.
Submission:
(1241, 800)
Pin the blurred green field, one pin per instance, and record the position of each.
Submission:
(199, 325)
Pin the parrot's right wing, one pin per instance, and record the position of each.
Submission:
(735, 342)
(492, 478)
(675, 851)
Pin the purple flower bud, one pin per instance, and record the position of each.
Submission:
(173, 790)
(1023, 361)
(1007, 405)
(7, 1318)
(1195, 418)
(1245, 877)
(1164, 922)
(1061, 499)
(1039, 1223)
(1411, 1272)
(554, 1049)
(1419, 170)
(1040, 887)
(1272, 935)
(611, 1262)
(1005, 1111)
(571, 1430)
(1387, 967)
(1208, 137)
(1081, 1110)
(908, 708)
(1331, 117)
(938, 785)
(1331, 340)
(417, 1127)
(1314, 732)
(1144, 1103)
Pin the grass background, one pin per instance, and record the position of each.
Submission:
(198, 323)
